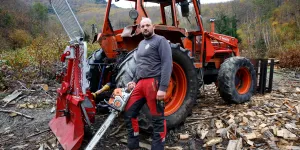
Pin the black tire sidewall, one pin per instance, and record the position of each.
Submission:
(226, 80)
(94, 73)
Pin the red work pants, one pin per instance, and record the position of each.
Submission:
(145, 92)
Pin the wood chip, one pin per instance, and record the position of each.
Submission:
(12, 96)
(286, 134)
(53, 109)
(173, 148)
(297, 109)
(250, 136)
(42, 147)
(45, 87)
(250, 142)
(213, 142)
(239, 145)
(271, 114)
(13, 114)
(184, 136)
(251, 113)
(219, 124)
(19, 146)
(292, 147)
(231, 121)
(203, 134)
(232, 145)
(245, 120)
(235, 144)
(261, 126)
(22, 105)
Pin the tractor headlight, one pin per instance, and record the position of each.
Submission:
(133, 14)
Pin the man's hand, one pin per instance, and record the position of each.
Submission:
(160, 95)
(130, 85)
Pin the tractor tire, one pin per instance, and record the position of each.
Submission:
(126, 70)
(94, 74)
(236, 80)
(183, 94)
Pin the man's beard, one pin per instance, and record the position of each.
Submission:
(148, 34)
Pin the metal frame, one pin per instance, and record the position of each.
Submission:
(78, 39)
(261, 68)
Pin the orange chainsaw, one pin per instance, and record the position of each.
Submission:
(116, 104)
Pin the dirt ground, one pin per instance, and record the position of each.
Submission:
(276, 112)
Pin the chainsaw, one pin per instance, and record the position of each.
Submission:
(116, 105)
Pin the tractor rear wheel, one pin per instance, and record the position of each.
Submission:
(126, 69)
(236, 80)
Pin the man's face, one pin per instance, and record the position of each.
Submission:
(147, 28)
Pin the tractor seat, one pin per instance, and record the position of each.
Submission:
(130, 31)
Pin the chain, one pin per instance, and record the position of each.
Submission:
(78, 57)
(72, 73)
(81, 52)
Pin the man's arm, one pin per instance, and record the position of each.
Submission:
(165, 53)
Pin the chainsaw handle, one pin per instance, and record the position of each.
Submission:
(110, 106)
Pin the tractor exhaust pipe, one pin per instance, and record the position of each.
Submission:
(212, 25)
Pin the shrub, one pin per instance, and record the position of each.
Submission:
(19, 38)
(290, 58)
(36, 61)
(6, 19)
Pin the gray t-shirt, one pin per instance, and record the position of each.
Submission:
(154, 59)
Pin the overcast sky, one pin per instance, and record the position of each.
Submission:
(126, 4)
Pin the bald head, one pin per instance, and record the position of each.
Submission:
(146, 27)
(146, 20)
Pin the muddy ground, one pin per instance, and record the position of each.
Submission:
(276, 112)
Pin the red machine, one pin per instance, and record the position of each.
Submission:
(199, 58)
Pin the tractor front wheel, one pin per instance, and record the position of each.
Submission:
(236, 80)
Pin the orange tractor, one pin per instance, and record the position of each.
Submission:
(199, 58)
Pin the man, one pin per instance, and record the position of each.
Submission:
(153, 71)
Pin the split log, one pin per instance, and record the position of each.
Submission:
(12, 96)
(13, 99)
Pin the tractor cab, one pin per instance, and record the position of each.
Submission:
(175, 17)
(179, 22)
